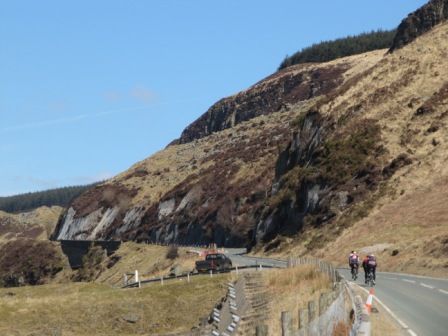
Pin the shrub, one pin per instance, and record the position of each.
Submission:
(92, 264)
(172, 253)
(29, 262)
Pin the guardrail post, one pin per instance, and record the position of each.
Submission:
(211, 274)
(286, 324)
(125, 279)
(261, 330)
(161, 280)
(188, 277)
(236, 269)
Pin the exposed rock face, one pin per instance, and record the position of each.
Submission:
(419, 22)
(288, 86)
(322, 171)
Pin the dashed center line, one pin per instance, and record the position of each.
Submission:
(443, 291)
(388, 278)
(407, 280)
(425, 285)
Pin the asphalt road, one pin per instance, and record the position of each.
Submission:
(420, 302)
(239, 258)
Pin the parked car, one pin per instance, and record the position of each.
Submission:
(216, 262)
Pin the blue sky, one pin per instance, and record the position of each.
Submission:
(88, 88)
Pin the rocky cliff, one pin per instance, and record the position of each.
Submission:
(278, 91)
(419, 22)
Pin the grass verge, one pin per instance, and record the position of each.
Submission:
(96, 309)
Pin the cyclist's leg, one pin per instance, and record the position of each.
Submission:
(374, 273)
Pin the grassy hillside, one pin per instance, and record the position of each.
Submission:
(406, 94)
(36, 224)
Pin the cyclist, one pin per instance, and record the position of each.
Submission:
(353, 262)
(364, 266)
(369, 264)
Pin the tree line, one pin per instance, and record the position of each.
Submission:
(29, 201)
(351, 45)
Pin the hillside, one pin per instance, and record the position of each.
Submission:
(315, 159)
(407, 97)
(47, 198)
(36, 224)
(209, 187)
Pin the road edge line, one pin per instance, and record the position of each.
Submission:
(392, 314)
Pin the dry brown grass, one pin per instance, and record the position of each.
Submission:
(92, 309)
(290, 290)
(415, 224)
(36, 224)
(149, 260)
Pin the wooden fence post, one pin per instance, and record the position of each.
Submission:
(261, 330)
(311, 311)
(303, 321)
(323, 303)
(286, 324)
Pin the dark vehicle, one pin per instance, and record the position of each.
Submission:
(216, 262)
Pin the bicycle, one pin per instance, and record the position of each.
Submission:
(370, 280)
(354, 272)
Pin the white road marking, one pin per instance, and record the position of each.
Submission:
(400, 322)
(443, 291)
(425, 285)
(407, 280)
(390, 278)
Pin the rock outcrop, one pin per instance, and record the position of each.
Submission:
(323, 171)
(289, 86)
(419, 22)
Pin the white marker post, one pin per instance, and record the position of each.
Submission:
(161, 280)
(125, 279)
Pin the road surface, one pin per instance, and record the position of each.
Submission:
(420, 302)
(239, 258)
